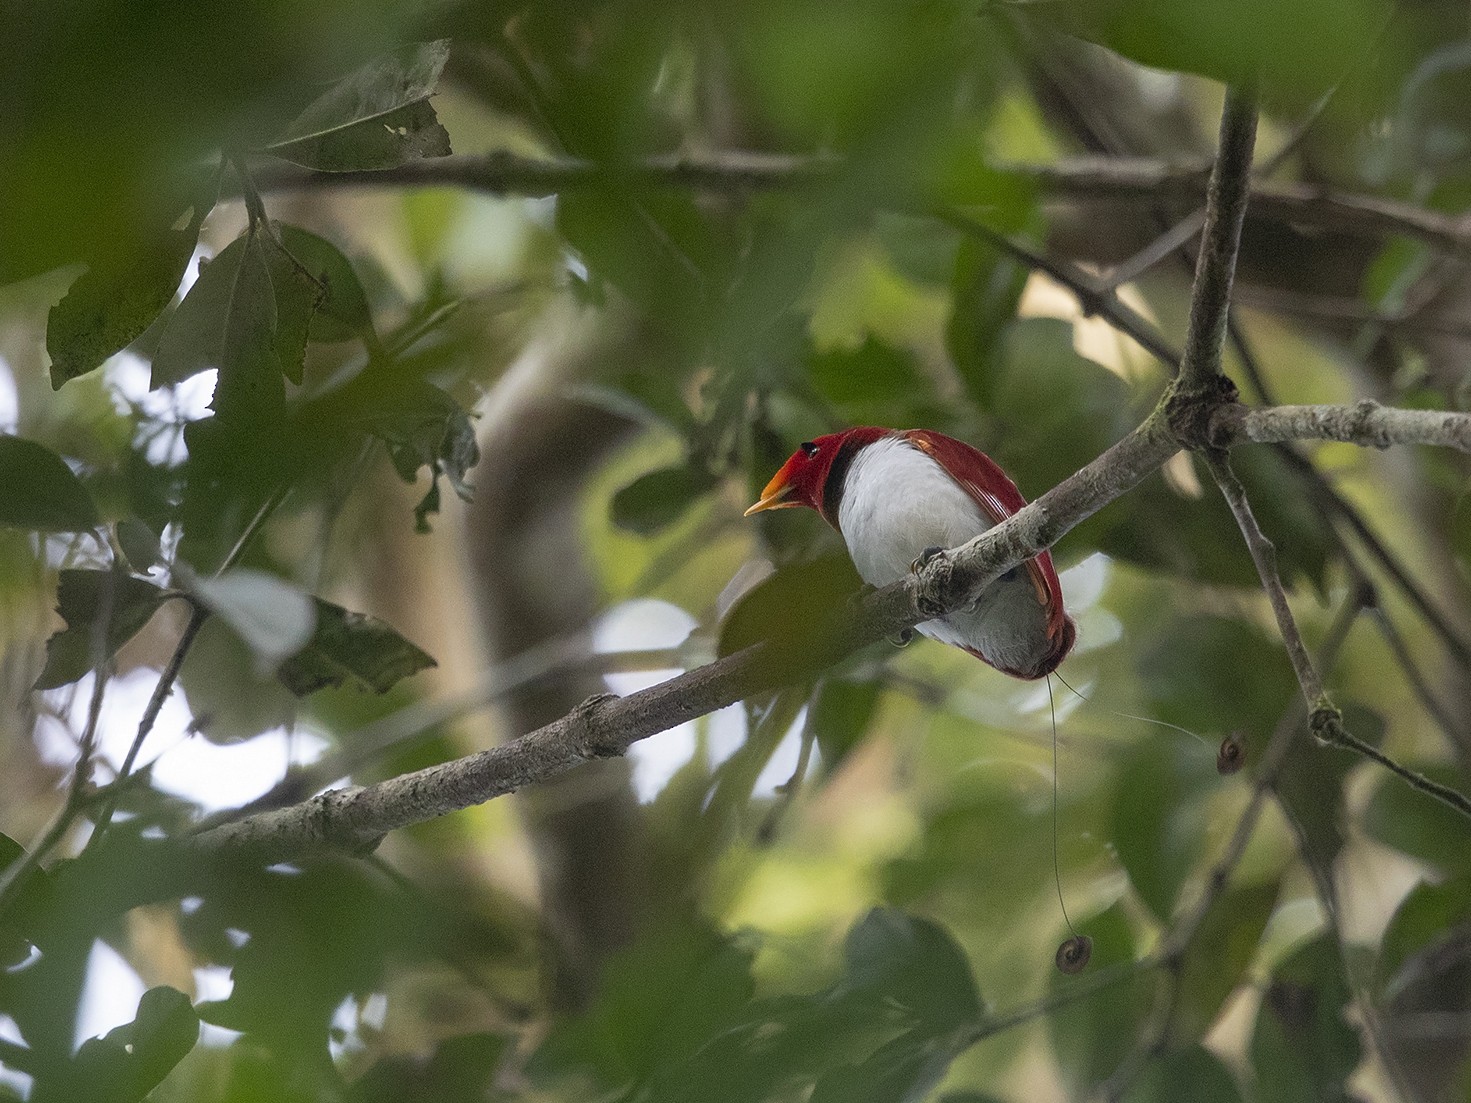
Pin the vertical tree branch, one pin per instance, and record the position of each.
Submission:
(1215, 268)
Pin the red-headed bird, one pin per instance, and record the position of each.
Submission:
(896, 497)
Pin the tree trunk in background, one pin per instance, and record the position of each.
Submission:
(533, 585)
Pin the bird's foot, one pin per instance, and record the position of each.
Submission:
(925, 557)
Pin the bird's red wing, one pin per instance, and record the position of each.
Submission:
(980, 477)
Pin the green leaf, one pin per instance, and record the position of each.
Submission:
(914, 964)
(1093, 1034)
(874, 384)
(654, 501)
(1302, 1047)
(429, 429)
(139, 543)
(1159, 823)
(985, 290)
(351, 648)
(375, 118)
(41, 493)
(1196, 1071)
(79, 597)
(273, 617)
(297, 294)
(130, 1061)
(1218, 957)
(790, 604)
(1418, 825)
(1423, 917)
(228, 321)
(343, 312)
(838, 716)
(114, 301)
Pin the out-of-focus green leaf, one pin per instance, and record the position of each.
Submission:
(1426, 913)
(375, 118)
(873, 384)
(130, 1061)
(79, 598)
(1196, 1072)
(655, 500)
(275, 618)
(1159, 823)
(1092, 1035)
(789, 604)
(921, 248)
(985, 290)
(138, 542)
(459, 1072)
(838, 716)
(1220, 954)
(1191, 673)
(41, 493)
(1310, 48)
(343, 312)
(1419, 825)
(1302, 1047)
(350, 648)
(1431, 990)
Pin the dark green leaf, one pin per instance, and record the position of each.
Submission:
(1302, 1047)
(905, 1070)
(429, 429)
(459, 1072)
(79, 596)
(914, 963)
(1196, 1072)
(1192, 675)
(838, 716)
(114, 301)
(1432, 986)
(986, 287)
(1159, 822)
(41, 493)
(298, 295)
(343, 312)
(1419, 825)
(1426, 913)
(1219, 956)
(351, 648)
(129, 1062)
(654, 501)
(139, 543)
(790, 604)
(228, 321)
(376, 117)
(874, 384)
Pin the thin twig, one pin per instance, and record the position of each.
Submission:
(197, 616)
(1448, 796)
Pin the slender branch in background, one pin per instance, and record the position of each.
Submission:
(1453, 732)
(197, 616)
(1095, 297)
(1452, 798)
(1215, 267)
(1176, 237)
(1133, 179)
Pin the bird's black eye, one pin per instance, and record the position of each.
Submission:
(809, 447)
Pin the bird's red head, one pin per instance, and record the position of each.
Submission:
(803, 480)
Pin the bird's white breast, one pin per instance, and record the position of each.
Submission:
(897, 501)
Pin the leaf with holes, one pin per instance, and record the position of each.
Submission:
(79, 599)
(377, 117)
(351, 648)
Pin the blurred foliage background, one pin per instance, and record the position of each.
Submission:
(263, 314)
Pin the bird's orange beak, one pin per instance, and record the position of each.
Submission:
(777, 495)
